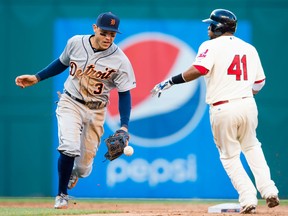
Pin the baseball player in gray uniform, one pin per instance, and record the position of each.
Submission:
(233, 74)
(97, 66)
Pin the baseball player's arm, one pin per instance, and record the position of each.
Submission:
(190, 74)
(194, 72)
(52, 69)
(124, 109)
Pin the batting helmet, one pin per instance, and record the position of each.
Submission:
(222, 21)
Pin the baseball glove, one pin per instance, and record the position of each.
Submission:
(115, 144)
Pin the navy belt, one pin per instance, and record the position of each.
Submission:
(89, 104)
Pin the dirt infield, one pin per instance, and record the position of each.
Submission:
(154, 209)
(157, 209)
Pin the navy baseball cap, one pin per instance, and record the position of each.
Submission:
(108, 21)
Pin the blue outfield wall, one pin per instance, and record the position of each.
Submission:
(175, 156)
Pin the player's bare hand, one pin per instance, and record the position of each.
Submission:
(26, 80)
(161, 87)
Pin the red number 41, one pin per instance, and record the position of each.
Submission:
(238, 67)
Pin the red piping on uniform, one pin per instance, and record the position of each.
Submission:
(201, 69)
(259, 81)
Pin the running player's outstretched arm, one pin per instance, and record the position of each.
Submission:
(190, 74)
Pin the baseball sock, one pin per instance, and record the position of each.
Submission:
(65, 166)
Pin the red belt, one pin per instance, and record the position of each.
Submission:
(220, 102)
(223, 102)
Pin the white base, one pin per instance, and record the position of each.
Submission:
(225, 207)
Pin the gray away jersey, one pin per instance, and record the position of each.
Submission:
(92, 74)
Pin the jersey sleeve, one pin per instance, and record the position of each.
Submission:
(65, 56)
(204, 57)
(125, 79)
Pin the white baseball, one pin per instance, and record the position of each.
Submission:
(128, 151)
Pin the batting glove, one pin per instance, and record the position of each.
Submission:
(161, 87)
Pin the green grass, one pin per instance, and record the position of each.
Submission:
(24, 211)
(47, 211)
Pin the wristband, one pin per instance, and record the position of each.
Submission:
(178, 79)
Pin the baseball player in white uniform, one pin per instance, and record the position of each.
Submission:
(233, 74)
(97, 66)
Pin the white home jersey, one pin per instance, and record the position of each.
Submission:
(233, 65)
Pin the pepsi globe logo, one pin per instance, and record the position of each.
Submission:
(157, 122)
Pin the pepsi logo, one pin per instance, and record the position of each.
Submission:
(157, 122)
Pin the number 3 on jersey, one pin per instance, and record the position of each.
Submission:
(238, 67)
(98, 88)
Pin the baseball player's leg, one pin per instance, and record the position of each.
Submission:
(90, 141)
(253, 152)
(224, 123)
(65, 166)
(69, 125)
(261, 172)
(240, 180)
(69, 116)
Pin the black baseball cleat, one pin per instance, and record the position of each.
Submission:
(272, 201)
(248, 209)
